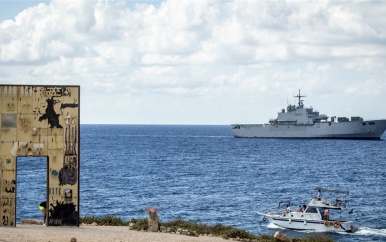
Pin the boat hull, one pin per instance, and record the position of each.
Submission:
(316, 225)
(370, 129)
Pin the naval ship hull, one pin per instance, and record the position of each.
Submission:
(369, 129)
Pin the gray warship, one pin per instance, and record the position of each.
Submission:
(303, 122)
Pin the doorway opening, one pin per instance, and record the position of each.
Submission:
(31, 186)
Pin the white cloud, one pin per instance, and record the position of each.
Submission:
(368, 88)
(244, 57)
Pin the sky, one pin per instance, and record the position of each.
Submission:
(200, 61)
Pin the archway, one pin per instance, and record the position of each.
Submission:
(41, 121)
(31, 186)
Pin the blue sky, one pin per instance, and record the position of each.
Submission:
(200, 62)
(10, 8)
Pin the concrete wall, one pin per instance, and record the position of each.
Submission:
(41, 121)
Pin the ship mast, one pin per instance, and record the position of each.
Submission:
(300, 103)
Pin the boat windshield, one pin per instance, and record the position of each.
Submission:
(311, 210)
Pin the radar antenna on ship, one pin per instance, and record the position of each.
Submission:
(300, 103)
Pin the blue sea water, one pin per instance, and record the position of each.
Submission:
(204, 174)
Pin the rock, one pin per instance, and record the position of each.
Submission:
(31, 221)
(153, 220)
(94, 224)
(131, 225)
(282, 237)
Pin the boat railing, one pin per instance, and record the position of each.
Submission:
(337, 203)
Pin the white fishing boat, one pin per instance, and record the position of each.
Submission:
(304, 122)
(321, 214)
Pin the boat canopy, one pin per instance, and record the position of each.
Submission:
(329, 190)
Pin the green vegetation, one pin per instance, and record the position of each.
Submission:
(104, 220)
(196, 229)
(139, 224)
(219, 230)
(314, 238)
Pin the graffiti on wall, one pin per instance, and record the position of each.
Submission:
(68, 174)
(41, 121)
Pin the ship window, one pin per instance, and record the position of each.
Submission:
(371, 123)
(363, 124)
(311, 210)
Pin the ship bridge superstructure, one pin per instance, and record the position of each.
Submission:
(299, 115)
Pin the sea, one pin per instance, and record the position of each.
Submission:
(201, 173)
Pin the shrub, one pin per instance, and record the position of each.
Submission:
(104, 220)
(314, 238)
(226, 232)
(139, 224)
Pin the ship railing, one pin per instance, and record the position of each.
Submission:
(286, 122)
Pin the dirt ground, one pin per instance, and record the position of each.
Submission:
(41, 233)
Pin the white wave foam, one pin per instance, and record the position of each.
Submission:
(361, 231)
(273, 226)
(370, 231)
